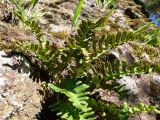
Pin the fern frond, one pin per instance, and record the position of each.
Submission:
(77, 99)
(93, 46)
(77, 96)
(121, 112)
(68, 112)
(129, 110)
(27, 17)
(120, 89)
(103, 44)
(102, 109)
(50, 57)
(35, 28)
(105, 71)
(86, 30)
(120, 69)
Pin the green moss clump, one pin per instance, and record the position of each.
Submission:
(146, 53)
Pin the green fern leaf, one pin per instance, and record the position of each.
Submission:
(78, 99)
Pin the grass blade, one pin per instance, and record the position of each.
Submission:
(77, 12)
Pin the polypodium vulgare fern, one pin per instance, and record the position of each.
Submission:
(49, 56)
(82, 57)
(122, 112)
(79, 57)
(102, 72)
(85, 70)
(120, 69)
(76, 108)
(94, 46)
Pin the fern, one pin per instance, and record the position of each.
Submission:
(105, 43)
(47, 55)
(81, 51)
(103, 72)
(93, 47)
(85, 49)
(120, 69)
(86, 28)
(122, 112)
(86, 69)
(77, 107)
(154, 37)
(27, 17)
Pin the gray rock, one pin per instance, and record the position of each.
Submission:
(125, 53)
(155, 86)
(129, 83)
(19, 97)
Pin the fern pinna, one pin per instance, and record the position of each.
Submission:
(81, 60)
(76, 107)
(122, 112)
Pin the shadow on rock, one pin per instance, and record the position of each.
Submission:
(46, 113)
(28, 64)
(37, 73)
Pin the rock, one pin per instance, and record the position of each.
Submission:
(130, 84)
(125, 53)
(107, 96)
(155, 86)
(19, 95)
(132, 13)
(9, 33)
(145, 53)
(143, 116)
(60, 28)
(119, 18)
(63, 11)
(140, 92)
(5, 11)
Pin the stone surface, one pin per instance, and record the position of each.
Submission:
(155, 86)
(125, 53)
(9, 33)
(140, 92)
(130, 84)
(106, 95)
(143, 116)
(19, 95)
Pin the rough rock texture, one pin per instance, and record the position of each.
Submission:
(125, 53)
(10, 33)
(19, 95)
(106, 95)
(143, 116)
(142, 88)
(130, 84)
(5, 14)
(155, 86)
(64, 10)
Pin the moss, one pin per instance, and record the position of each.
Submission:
(110, 28)
(60, 35)
(152, 52)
